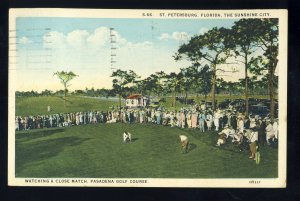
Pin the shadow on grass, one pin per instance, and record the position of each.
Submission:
(85, 105)
(29, 153)
(68, 101)
(134, 139)
(192, 147)
(22, 137)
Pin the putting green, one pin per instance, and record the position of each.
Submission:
(97, 151)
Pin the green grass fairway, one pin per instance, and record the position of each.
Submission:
(38, 105)
(97, 151)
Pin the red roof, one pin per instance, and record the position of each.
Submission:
(134, 96)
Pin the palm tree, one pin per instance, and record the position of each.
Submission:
(65, 78)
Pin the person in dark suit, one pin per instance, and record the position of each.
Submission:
(247, 123)
(261, 127)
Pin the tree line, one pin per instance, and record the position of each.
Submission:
(85, 92)
(253, 43)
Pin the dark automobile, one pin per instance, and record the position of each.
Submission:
(188, 101)
(260, 110)
(208, 104)
(237, 102)
(224, 104)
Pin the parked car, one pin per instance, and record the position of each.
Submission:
(260, 110)
(224, 104)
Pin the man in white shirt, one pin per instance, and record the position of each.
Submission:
(253, 139)
(240, 124)
(252, 122)
(126, 137)
(209, 119)
(228, 131)
(216, 120)
(184, 143)
(275, 129)
(269, 131)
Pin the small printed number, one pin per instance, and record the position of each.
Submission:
(147, 14)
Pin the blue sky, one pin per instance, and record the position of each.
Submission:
(46, 45)
(135, 30)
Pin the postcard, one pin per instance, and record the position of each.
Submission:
(147, 98)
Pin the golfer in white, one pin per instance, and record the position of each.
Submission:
(126, 137)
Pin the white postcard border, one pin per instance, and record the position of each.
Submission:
(279, 182)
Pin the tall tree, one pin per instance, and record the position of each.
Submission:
(65, 78)
(198, 79)
(188, 76)
(156, 83)
(244, 44)
(204, 81)
(210, 48)
(173, 83)
(142, 86)
(266, 31)
(121, 81)
(230, 87)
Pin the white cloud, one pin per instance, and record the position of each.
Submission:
(54, 39)
(203, 30)
(178, 36)
(88, 54)
(145, 44)
(99, 37)
(164, 36)
(119, 40)
(77, 38)
(24, 40)
(82, 38)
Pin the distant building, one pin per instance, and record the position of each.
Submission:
(137, 100)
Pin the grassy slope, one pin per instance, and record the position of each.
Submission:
(38, 105)
(98, 151)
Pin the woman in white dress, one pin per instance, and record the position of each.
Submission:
(189, 119)
(240, 124)
(209, 120)
(269, 132)
(275, 129)
(182, 117)
(178, 117)
(216, 120)
(77, 119)
(17, 124)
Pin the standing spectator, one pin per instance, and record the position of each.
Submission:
(228, 115)
(178, 118)
(209, 120)
(225, 120)
(275, 128)
(253, 140)
(246, 123)
(261, 126)
(240, 124)
(158, 117)
(17, 124)
(80, 118)
(77, 119)
(194, 119)
(216, 120)
(269, 131)
(189, 119)
(234, 121)
(201, 119)
(50, 121)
